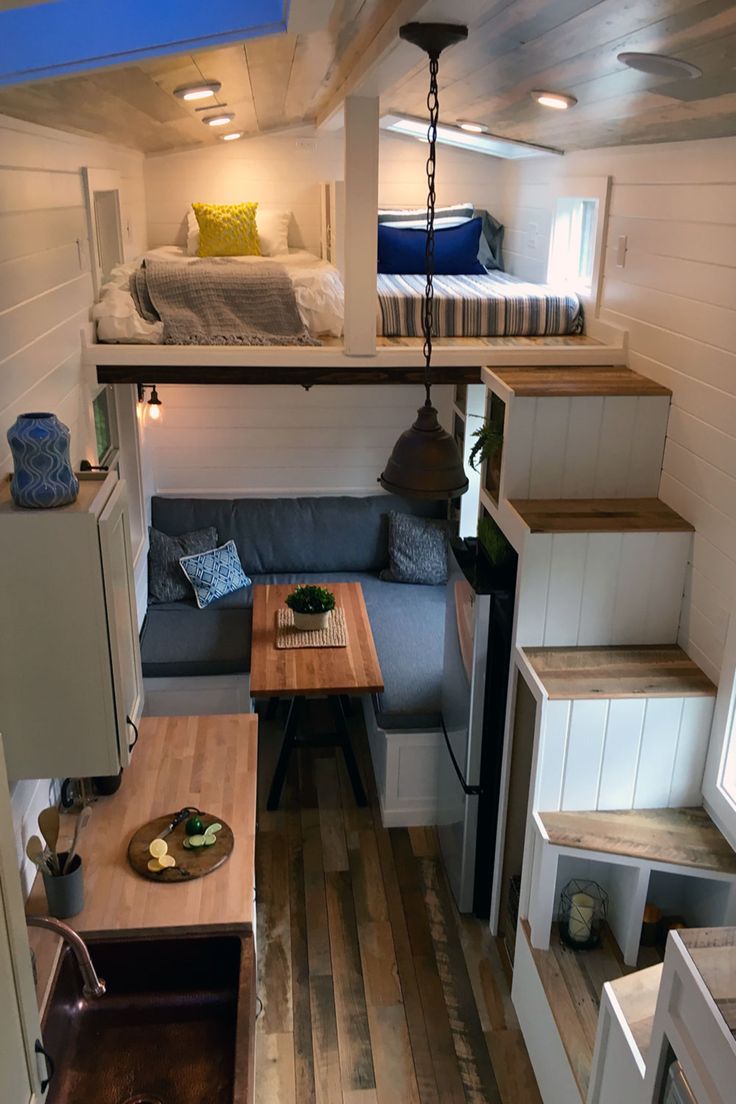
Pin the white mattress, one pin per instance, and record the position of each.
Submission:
(317, 287)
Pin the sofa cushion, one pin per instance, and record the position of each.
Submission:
(181, 641)
(325, 534)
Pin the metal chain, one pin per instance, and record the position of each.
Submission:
(433, 107)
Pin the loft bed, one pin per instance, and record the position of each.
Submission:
(483, 315)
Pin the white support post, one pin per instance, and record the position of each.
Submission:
(361, 238)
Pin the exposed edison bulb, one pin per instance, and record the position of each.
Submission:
(153, 409)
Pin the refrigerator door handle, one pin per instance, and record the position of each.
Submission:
(470, 791)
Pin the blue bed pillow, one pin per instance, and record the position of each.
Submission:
(401, 250)
(215, 573)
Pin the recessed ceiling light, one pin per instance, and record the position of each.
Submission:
(659, 65)
(222, 119)
(231, 137)
(199, 91)
(472, 128)
(558, 100)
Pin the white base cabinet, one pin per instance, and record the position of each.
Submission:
(70, 675)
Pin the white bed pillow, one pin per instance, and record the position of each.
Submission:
(272, 226)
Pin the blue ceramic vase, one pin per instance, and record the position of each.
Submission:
(43, 474)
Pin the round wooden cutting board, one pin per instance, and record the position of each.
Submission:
(190, 862)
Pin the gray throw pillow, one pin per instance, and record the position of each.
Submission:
(166, 581)
(417, 550)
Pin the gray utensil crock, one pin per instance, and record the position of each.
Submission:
(65, 893)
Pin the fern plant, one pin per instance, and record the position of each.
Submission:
(488, 440)
(493, 541)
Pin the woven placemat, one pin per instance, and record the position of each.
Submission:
(335, 635)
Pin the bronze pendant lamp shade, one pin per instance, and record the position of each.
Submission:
(425, 462)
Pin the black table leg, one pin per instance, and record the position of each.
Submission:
(272, 708)
(289, 740)
(342, 739)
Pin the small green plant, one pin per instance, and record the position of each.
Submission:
(311, 599)
(488, 440)
(493, 540)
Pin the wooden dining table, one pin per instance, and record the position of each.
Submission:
(334, 673)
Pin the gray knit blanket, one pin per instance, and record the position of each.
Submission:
(216, 302)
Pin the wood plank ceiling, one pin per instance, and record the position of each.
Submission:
(514, 46)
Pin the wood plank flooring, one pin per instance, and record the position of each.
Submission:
(374, 989)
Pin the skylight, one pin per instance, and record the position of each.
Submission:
(72, 35)
(490, 144)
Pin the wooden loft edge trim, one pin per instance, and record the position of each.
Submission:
(302, 375)
(623, 671)
(570, 381)
(599, 515)
(675, 837)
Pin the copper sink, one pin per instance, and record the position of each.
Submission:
(172, 1028)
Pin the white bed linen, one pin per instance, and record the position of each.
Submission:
(317, 287)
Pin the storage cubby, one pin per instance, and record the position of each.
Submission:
(701, 902)
(619, 882)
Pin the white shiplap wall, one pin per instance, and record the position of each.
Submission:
(271, 440)
(676, 296)
(45, 298)
(286, 171)
(224, 441)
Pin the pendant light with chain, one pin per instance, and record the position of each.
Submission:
(425, 462)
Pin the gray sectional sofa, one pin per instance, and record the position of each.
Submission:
(326, 539)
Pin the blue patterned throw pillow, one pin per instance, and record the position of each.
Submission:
(215, 573)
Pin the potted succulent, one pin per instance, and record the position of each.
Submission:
(311, 606)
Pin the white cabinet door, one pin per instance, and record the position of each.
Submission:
(122, 618)
(20, 1029)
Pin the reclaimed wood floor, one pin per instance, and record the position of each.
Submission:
(374, 989)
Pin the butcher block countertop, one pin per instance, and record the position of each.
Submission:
(208, 762)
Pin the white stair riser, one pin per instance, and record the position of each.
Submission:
(584, 447)
(627, 753)
(601, 588)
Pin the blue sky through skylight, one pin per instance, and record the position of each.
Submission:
(68, 36)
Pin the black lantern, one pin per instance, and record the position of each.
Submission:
(425, 462)
(582, 914)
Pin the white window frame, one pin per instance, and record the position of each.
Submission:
(597, 188)
(101, 180)
(718, 801)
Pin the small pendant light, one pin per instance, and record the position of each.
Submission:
(425, 462)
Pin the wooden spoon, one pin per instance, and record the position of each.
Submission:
(81, 823)
(34, 851)
(48, 822)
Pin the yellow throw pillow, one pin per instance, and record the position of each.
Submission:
(227, 229)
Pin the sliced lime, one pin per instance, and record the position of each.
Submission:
(186, 843)
(196, 841)
(212, 828)
(209, 840)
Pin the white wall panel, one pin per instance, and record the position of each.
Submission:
(676, 205)
(583, 755)
(45, 298)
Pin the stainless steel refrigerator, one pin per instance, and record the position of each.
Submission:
(478, 626)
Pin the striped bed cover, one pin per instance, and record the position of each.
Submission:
(495, 305)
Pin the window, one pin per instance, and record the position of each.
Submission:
(103, 406)
(572, 249)
(719, 783)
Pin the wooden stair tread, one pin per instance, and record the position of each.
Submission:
(678, 837)
(646, 670)
(573, 983)
(636, 994)
(571, 381)
(599, 515)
